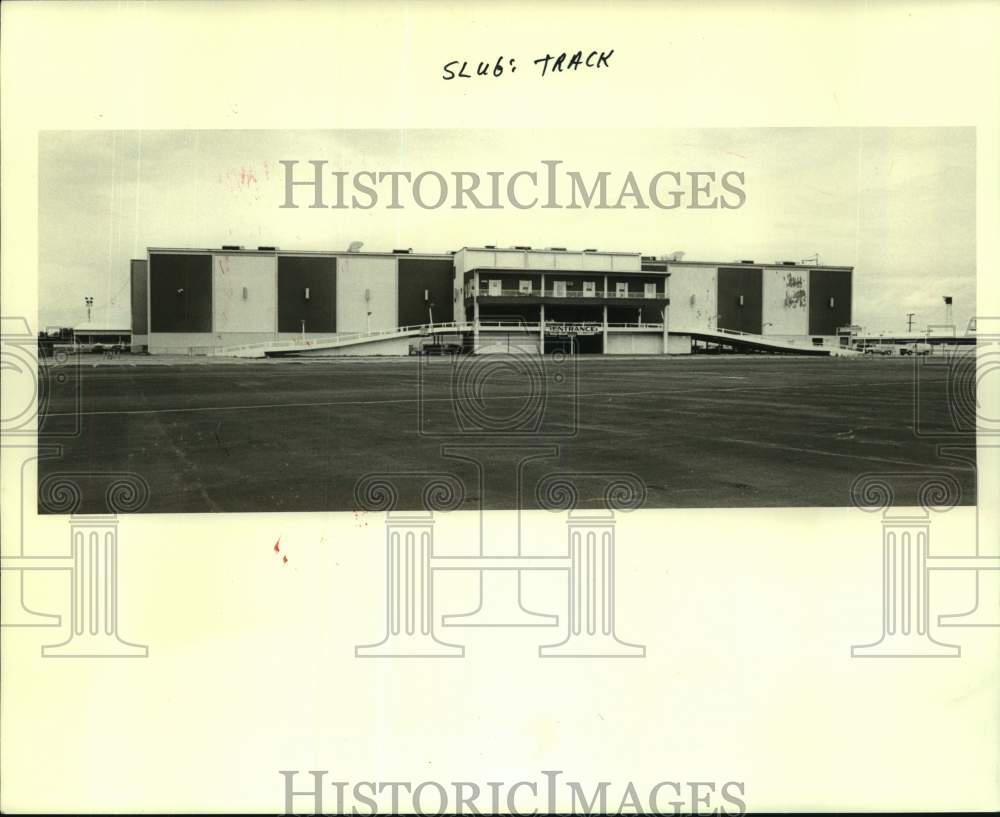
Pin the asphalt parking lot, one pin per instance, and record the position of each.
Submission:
(701, 431)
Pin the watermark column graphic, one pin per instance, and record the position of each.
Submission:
(30, 384)
(967, 382)
(93, 563)
(16, 563)
(590, 543)
(984, 610)
(33, 384)
(905, 563)
(973, 400)
(975, 392)
(409, 542)
(534, 403)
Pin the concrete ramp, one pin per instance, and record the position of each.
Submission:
(385, 341)
(745, 341)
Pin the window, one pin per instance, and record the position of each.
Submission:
(649, 290)
(524, 287)
(588, 289)
(621, 289)
(832, 303)
(495, 286)
(559, 289)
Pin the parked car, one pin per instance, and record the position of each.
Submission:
(878, 350)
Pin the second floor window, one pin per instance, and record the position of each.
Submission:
(524, 287)
(495, 287)
(588, 289)
(559, 289)
(621, 289)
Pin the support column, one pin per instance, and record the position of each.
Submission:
(475, 312)
(94, 594)
(666, 314)
(590, 631)
(604, 328)
(409, 591)
(905, 596)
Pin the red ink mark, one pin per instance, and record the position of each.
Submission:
(284, 560)
(276, 548)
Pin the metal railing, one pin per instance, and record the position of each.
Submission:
(326, 341)
(552, 293)
(511, 324)
(338, 338)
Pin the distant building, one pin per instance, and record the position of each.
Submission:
(89, 335)
(193, 301)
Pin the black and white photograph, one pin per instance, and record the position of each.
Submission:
(255, 321)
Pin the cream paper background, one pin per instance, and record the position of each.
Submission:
(748, 616)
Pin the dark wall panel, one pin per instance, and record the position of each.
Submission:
(180, 292)
(633, 314)
(140, 324)
(317, 274)
(434, 275)
(825, 285)
(734, 283)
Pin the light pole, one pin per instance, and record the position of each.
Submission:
(89, 302)
(909, 322)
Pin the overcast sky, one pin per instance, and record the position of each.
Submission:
(898, 204)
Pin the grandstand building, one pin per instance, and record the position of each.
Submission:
(267, 300)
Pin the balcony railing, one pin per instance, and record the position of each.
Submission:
(494, 323)
(561, 293)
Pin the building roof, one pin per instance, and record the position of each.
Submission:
(281, 251)
(409, 253)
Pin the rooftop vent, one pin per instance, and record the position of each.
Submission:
(558, 249)
(268, 249)
(490, 247)
(745, 261)
(231, 247)
(590, 250)
(788, 263)
(407, 251)
(521, 247)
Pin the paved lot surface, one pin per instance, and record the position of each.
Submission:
(296, 435)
